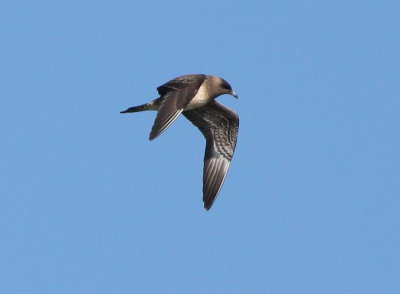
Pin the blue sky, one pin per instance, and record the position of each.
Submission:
(311, 202)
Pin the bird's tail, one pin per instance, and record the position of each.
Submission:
(153, 105)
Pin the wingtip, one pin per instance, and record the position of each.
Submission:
(207, 206)
(152, 136)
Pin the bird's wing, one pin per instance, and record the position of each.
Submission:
(220, 126)
(176, 95)
(181, 82)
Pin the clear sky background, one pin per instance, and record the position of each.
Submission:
(311, 203)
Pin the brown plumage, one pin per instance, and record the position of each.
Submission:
(193, 96)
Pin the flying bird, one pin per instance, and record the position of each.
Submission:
(194, 96)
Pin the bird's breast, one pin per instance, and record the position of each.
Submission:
(201, 98)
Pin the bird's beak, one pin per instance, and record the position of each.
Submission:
(234, 94)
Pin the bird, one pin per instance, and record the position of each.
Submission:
(193, 95)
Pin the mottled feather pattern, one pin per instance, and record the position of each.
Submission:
(220, 126)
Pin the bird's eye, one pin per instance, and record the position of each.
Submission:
(227, 86)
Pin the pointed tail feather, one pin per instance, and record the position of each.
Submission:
(143, 107)
(153, 105)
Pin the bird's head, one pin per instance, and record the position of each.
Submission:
(226, 88)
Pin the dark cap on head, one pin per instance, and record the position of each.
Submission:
(218, 86)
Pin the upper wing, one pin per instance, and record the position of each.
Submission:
(181, 82)
(220, 126)
(176, 95)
